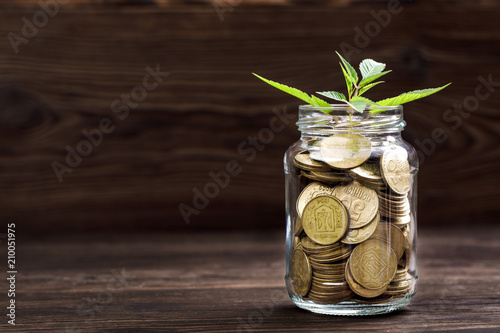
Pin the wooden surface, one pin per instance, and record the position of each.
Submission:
(217, 282)
(65, 79)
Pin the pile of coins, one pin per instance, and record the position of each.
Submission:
(351, 232)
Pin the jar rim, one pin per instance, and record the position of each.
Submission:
(340, 118)
(345, 107)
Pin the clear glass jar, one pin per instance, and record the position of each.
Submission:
(351, 198)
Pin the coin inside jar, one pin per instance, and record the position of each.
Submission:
(305, 162)
(361, 202)
(396, 169)
(345, 151)
(356, 236)
(300, 272)
(393, 236)
(373, 264)
(309, 192)
(359, 289)
(325, 220)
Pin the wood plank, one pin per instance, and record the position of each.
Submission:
(65, 79)
(225, 5)
(222, 282)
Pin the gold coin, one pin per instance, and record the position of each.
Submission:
(330, 298)
(329, 176)
(305, 162)
(373, 264)
(397, 293)
(401, 275)
(321, 262)
(329, 277)
(297, 226)
(322, 277)
(310, 192)
(296, 242)
(329, 287)
(333, 253)
(401, 221)
(392, 215)
(326, 269)
(328, 251)
(331, 260)
(394, 202)
(300, 272)
(310, 247)
(405, 260)
(392, 196)
(325, 219)
(308, 175)
(395, 211)
(402, 285)
(333, 268)
(361, 203)
(315, 153)
(356, 236)
(391, 235)
(328, 256)
(345, 151)
(396, 169)
(392, 206)
(359, 289)
(368, 172)
(373, 185)
(326, 293)
(313, 142)
(339, 266)
(376, 300)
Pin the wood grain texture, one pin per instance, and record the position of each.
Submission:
(177, 3)
(65, 79)
(222, 282)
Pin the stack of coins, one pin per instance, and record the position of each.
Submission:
(328, 265)
(400, 284)
(351, 232)
(327, 177)
(369, 175)
(394, 205)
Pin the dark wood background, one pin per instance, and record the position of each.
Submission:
(66, 77)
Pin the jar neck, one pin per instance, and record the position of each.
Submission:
(379, 122)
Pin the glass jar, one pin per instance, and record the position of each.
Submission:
(351, 212)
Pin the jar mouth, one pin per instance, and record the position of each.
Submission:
(340, 118)
(343, 108)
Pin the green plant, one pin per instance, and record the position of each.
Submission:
(370, 70)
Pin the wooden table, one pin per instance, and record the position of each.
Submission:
(233, 282)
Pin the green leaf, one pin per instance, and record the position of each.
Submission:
(350, 70)
(289, 90)
(370, 67)
(333, 95)
(410, 96)
(319, 102)
(372, 78)
(355, 102)
(367, 87)
(364, 99)
(348, 82)
(295, 92)
(358, 105)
